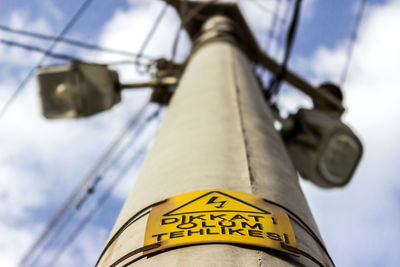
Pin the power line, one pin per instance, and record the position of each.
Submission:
(185, 19)
(38, 49)
(261, 6)
(80, 188)
(150, 35)
(63, 224)
(275, 82)
(276, 17)
(53, 44)
(353, 37)
(280, 39)
(137, 158)
(45, 235)
(274, 13)
(273, 27)
(62, 56)
(138, 132)
(72, 42)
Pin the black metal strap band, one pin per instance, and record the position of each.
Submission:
(140, 214)
(145, 211)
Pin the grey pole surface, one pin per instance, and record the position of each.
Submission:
(218, 134)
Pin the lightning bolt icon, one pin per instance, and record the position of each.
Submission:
(213, 201)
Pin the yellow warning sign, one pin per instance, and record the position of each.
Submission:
(218, 216)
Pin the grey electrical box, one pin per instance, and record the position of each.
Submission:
(323, 149)
(77, 89)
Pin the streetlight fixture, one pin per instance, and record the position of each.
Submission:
(81, 89)
(77, 89)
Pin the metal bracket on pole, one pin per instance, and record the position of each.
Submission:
(166, 78)
(164, 81)
(250, 45)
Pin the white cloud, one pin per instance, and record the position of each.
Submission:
(38, 158)
(42, 161)
(19, 20)
(266, 11)
(52, 8)
(13, 240)
(128, 28)
(362, 219)
(86, 249)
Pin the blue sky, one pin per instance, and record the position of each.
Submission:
(41, 161)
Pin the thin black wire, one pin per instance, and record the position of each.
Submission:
(275, 82)
(113, 162)
(127, 146)
(190, 15)
(38, 49)
(49, 234)
(65, 56)
(274, 25)
(52, 45)
(150, 35)
(72, 42)
(135, 217)
(271, 31)
(353, 37)
(80, 202)
(258, 3)
(137, 158)
(93, 212)
(302, 252)
(52, 225)
(280, 39)
(276, 17)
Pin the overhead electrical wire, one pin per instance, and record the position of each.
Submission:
(274, 13)
(353, 38)
(100, 203)
(280, 38)
(275, 18)
(64, 56)
(52, 45)
(72, 42)
(153, 29)
(92, 187)
(138, 131)
(260, 5)
(85, 182)
(61, 56)
(291, 33)
(185, 20)
(139, 55)
(136, 159)
(61, 229)
(38, 49)
(273, 27)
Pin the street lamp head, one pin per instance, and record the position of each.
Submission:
(77, 89)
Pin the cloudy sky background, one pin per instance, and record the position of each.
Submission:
(42, 161)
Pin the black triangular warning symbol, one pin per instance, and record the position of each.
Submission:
(216, 201)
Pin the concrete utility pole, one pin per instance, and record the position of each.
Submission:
(218, 134)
